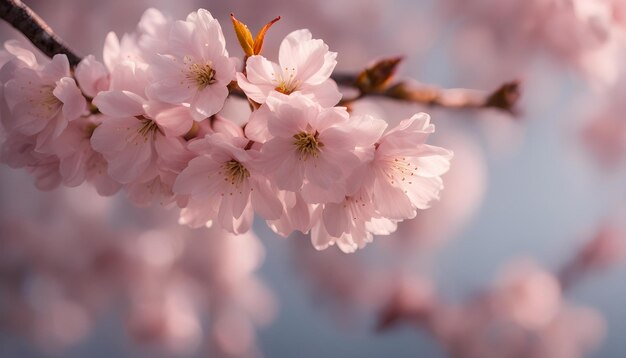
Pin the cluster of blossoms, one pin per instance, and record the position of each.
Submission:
(587, 35)
(149, 119)
(178, 289)
(523, 315)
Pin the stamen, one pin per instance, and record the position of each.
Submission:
(202, 75)
(148, 127)
(402, 169)
(307, 144)
(235, 172)
(44, 103)
(287, 83)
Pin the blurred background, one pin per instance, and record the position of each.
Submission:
(84, 275)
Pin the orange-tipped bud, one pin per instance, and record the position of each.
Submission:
(258, 41)
(244, 36)
(251, 46)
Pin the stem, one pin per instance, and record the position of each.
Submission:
(26, 21)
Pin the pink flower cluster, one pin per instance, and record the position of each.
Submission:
(524, 315)
(148, 119)
(587, 35)
(181, 290)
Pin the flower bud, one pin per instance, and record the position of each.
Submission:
(251, 46)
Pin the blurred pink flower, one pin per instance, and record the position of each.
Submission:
(523, 316)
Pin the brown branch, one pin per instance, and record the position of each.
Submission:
(503, 98)
(26, 21)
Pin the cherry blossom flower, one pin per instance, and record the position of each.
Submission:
(92, 76)
(42, 102)
(140, 46)
(309, 143)
(224, 185)
(305, 66)
(350, 224)
(195, 69)
(78, 160)
(140, 137)
(405, 173)
(297, 214)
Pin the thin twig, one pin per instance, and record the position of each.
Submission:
(26, 21)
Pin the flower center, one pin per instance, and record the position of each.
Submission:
(235, 172)
(202, 75)
(307, 144)
(287, 83)
(44, 103)
(148, 127)
(401, 171)
(286, 88)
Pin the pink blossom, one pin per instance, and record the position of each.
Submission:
(195, 69)
(18, 151)
(523, 316)
(224, 186)
(528, 295)
(605, 134)
(311, 147)
(46, 173)
(42, 102)
(79, 162)
(140, 46)
(92, 76)
(297, 214)
(605, 138)
(584, 34)
(305, 66)
(172, 277)
(350, 224)
(157, 190)
(140, 137)
(405, 173)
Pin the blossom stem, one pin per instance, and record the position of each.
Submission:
(26, 21)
